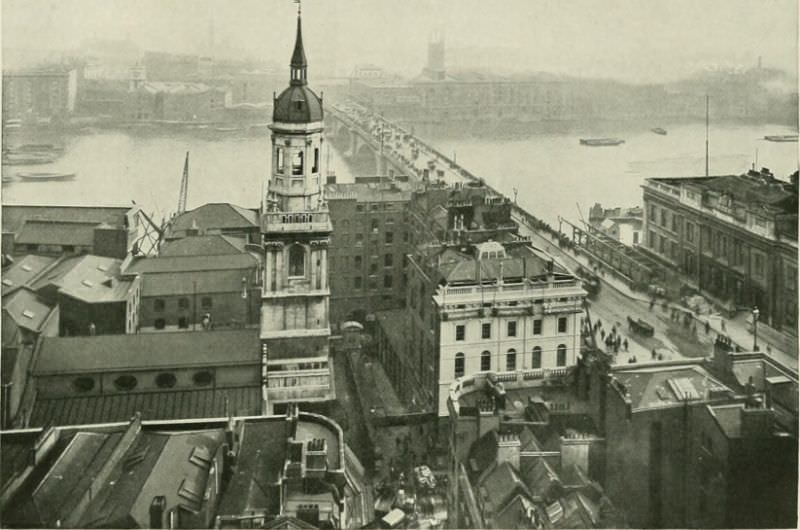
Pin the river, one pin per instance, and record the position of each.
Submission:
(551, 172)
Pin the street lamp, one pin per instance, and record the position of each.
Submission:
(755, 328)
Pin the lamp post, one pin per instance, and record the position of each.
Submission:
(755, 328)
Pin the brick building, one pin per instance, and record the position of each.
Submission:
(367, 254)
(39, 94)
(733, 237)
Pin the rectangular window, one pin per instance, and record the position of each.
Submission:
(537, 327)
(511, 361)
(561, 356)
(297, 163)
(662, 243)
(758, 264)
(512, 328)
(315, 167)
(562, 324)
(651, 239)
(183, 303)
(387, 281)
(389, 238)
(206, 302)
(280, 159)
(357, 261)
(359, 239)
(359, 207)
(689, 232)
(536, 360)
(357, 282)
(675, 222)
(486, 331)
(460, 331)
(373, 268)
(653, 213)
(664, 216)
(387, 260)
(159, 304)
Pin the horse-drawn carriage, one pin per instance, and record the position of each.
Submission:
(641, 327)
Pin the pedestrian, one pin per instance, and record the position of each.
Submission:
(722, 323)
(653, 353)
(652, 303)
(769, 349)
(625, 344)
(613, 330)
(660, 356)
(708, 327)
(602, 334)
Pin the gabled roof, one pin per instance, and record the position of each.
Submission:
(26, 309)
(520, 513)
(497, 486)
(56, 233)
(540, 477)
(147, 351)
(214, 216)
(192, 263)
(89, 278)
(483, 453)
(15, 216)
(206, 245)
(24, 270)
(287, 522)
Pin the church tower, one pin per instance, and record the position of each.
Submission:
(296, 227)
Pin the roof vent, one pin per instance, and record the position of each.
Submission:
(87, 283)
(28, 313)
(102, 268)
(7, 282)
(26, 268)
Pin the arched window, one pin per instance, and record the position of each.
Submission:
(459, 368)
(486, 361)
(297, 163)
(561, 355)
(297, 258)
(511, 360)
(536, 361)
(280, 159)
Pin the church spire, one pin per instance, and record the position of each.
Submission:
(298, 65)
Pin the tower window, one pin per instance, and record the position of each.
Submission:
(280, 159)
(297, 256)
(316, 160)
(297, 163)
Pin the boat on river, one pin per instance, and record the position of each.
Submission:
(37, 148)
(601, 142)
(781, 138)
(659, 130)
(43, 176)
(26, 159)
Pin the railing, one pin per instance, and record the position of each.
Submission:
(295, 221)
(562, 307)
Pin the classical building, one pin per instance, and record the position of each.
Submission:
(296, 227)
(733, 237)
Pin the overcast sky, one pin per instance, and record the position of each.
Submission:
(626, 39)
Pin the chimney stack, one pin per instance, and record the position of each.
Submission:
(508, 449)
(756, 420)
(157, 509)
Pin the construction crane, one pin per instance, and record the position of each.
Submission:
(184, 186)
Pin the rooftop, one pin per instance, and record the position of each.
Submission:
(192, 263)
(368, 192)
(147, 351)
(23, 271)
(159, 405)
(15, 216)
(666, 384)
(213, 216)
(206, 245)
(27, 309)
(92, 279)
(192, 282)
(57, 233)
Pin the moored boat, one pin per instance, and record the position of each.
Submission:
(781, 138)
(26, 159)
(45, 176)
(659, 130)
(601, 142)
(37, 148)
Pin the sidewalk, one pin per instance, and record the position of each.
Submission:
(737, 328)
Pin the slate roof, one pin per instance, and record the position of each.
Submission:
(161, 405)
(192, 263)
(215, 216)
(498, 484)
(207, 245)
(90, 278)
(56, 233)
(16, 216)
(262, 452)
(26, 309)
(516, 514)
(147, 351)
(540, 477)
(23, 271)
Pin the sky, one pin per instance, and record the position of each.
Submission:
(635, 40)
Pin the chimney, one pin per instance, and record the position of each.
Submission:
(508, 449)
(487, 419)
(756, 420)
(309, 513)
(157, 509)
(316, 457)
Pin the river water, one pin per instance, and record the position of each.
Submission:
(550, 171)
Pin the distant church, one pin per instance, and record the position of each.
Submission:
(296, 227)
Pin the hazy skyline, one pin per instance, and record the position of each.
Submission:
(639, 40)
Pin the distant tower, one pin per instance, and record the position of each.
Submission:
(296, 228)
(138, 76)
(435, 68)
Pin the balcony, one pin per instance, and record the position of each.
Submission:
(292, 222)
(552, 308)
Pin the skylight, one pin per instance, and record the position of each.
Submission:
(87, 283)
(28, 313)
(26, 268)
(7, 282)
